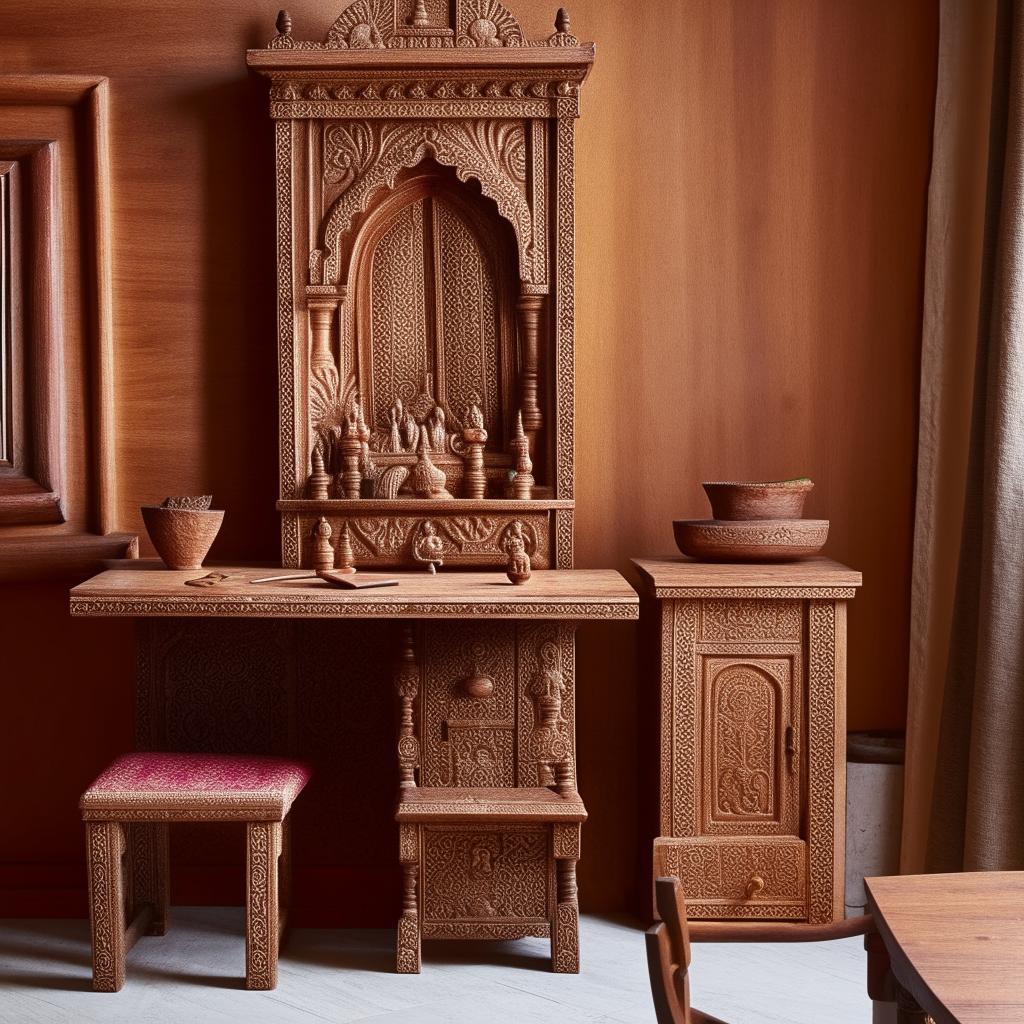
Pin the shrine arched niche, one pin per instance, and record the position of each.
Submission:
(432, 271)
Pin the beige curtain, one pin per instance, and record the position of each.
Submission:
(964, 798)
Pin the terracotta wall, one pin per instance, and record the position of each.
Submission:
(751, 189)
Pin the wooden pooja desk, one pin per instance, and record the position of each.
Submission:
(484, 672)
(749, 666)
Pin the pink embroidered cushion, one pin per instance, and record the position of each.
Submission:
(195, 787)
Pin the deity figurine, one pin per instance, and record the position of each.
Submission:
(518, 560)
(394, 437)
(323, 553)
(428, 547)
(409, 427)
(473, 421)
(438, 433)
(345, 555)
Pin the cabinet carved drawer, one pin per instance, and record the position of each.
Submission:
(747, 670)
(766, 878)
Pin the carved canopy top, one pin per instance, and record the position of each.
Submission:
(422, 24)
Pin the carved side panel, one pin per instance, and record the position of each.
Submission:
(821, 767)
(468, 740)
(483, 876)
(399, 327)
(224, 686)
(547, 702)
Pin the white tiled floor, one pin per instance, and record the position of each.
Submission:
(193, 975)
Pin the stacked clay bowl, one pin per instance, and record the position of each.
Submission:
(753, 522)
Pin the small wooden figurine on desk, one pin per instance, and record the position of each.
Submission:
(323, 553)
(518, 560)
(346, 558)
(428, 547)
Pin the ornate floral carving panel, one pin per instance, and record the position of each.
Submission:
(487, 875)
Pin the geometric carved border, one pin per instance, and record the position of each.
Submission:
(821, 689)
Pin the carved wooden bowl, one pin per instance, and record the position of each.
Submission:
(182, 536)
(780, 499)
(750, 540)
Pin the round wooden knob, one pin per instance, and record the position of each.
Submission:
(754, 886)
(478, 686)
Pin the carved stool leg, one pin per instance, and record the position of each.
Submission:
(284, 878)
(147, 844)
(408, 945)
(565, 928)
(263, 848)
(105, 848)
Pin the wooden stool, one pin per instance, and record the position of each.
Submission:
(126, 812)
(481, 846)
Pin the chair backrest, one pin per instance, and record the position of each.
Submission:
(668, 954)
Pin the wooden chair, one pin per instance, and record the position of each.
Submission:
(668, 950)
(126, 813)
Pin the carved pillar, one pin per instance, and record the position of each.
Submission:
(407, 683)
(528, 310)
(351, 450)
(521, 487)
(321, 321)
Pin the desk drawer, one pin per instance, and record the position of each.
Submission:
(762, 877)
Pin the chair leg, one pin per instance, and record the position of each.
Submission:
(263, 846)
(149, 879)
(408, 944)
(105, 848)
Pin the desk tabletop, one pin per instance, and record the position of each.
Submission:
(956, 942)
(575, 594)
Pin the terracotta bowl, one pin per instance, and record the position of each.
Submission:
(181, 536)
(782, 499)
(752, 540)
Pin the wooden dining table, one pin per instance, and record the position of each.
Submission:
(955, 944)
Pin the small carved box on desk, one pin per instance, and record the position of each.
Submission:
(747, 670)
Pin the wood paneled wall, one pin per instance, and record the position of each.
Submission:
(752, 182)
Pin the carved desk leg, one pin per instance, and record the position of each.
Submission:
(407, 683)
(147, 844)
(407, 959)
(565, 928)
(263, 846)
(105, 848)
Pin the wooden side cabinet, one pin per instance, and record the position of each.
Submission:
(750, 674)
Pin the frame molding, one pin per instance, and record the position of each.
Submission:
(33, 552)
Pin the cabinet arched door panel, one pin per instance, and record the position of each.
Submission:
(435, 293)
(749, 736)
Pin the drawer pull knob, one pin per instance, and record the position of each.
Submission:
(754, 886)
